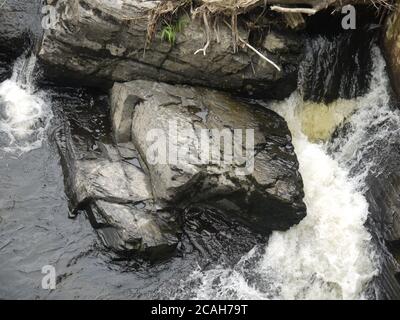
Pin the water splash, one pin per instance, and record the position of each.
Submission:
(372, 130)
(24, 113)
(329, 255)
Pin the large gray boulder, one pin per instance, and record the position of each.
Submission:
(257, 180)
(108, 184)
(100, 42)
(104, 179)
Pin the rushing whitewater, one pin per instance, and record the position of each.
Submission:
(330, 254)
(24, 113)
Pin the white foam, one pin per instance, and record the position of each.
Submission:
(24, 114)
(329, 254)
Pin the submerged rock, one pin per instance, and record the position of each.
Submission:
(319, 121)
(100, 42)
(203, 148)
(131, 228)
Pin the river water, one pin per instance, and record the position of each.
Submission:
(329, 255)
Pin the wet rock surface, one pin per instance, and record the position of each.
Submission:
(332, 81)
(384, 200)
(34, 222)
(216, 237)
(98, 43)
(111, 187)
(265, 195)
(383, 197)
(114, 185)
(104, 180)
(378, 160)
(392, 47)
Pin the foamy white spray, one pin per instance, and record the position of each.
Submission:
(24, 113)
(372, 129)
(329, 255)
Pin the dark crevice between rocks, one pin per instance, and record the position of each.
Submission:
(394, 248)
(329, 21)
(218, 237)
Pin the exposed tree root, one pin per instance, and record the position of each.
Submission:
(308, 11)
(208, 35)
(209, 9)
(261, 55)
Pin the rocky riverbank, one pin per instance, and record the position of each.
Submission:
(173, 150)
(137, 205)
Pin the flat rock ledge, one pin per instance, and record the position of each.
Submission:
(100, 42)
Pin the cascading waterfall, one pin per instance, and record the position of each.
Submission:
(24, 113)
(330, 254)
(372, 128)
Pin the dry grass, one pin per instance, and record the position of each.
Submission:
(166, 8)
(227, 6)
(383, 3)
(219, 10)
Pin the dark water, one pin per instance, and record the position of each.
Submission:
(35, 228)
(35, 231)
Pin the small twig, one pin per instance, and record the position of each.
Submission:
(262, 13)
(308, 11)
(255, 50)
(252, 66)
(234, 31)
(2, 247)
(216, 29)
(260, 54)
(204, 49)
(4, 2)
